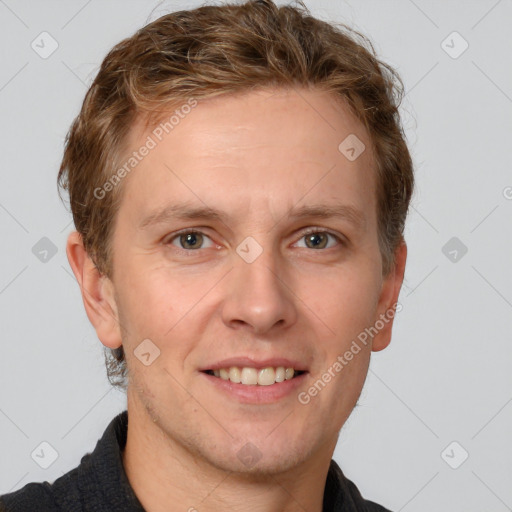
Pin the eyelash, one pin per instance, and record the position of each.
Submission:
(195, 231)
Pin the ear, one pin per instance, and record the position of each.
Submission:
(97, 293)
(388, 298)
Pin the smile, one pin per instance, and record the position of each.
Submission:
(255, 377)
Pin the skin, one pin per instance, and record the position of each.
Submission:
(253, 156)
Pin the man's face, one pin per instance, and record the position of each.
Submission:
(252, 289)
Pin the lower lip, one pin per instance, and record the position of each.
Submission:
(256, 394)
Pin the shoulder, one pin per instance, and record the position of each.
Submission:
(61, 495)
(342, 495)
(33, 496)
(375, 507)
(65, 494)
(360, 502)
(97, 483)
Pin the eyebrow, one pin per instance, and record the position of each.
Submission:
(187, 211)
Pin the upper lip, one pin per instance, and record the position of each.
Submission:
(242, 362)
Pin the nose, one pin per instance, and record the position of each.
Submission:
(258, 297)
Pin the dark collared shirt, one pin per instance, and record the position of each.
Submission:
(99, 484)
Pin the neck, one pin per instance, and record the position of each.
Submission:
(161, 472)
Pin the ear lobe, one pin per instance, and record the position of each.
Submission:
(388, 300)
(97, 293)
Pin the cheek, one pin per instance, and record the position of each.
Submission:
(146, 310)
(346, 301)
(159, 306)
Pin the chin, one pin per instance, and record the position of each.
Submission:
(266, 465)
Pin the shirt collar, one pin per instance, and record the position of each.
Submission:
(103, 470)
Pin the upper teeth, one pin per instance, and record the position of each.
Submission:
(264, 377)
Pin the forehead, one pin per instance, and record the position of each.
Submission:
(279, 143)
(319, 120)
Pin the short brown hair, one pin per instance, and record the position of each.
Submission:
(217, 50)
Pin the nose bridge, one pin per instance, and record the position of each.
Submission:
(257, 294)
(262, 275)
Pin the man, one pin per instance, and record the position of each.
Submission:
(239, 184)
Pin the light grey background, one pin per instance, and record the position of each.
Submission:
(446, 375)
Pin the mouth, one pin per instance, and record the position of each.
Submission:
(252, 376)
